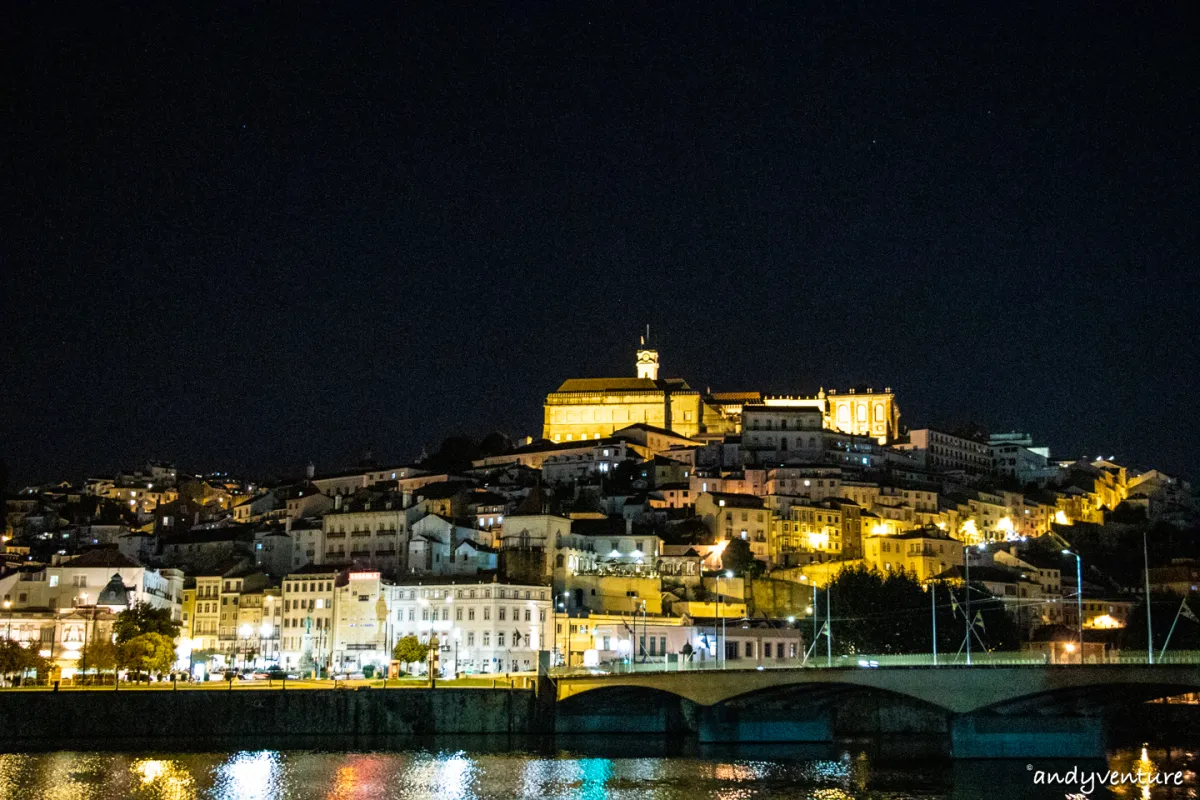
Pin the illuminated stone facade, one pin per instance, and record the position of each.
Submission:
(593, 408)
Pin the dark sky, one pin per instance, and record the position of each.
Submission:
(265, 235)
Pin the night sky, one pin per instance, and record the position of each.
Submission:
(266, 235)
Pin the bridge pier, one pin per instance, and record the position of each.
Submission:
(1026, 736)
(721, 723)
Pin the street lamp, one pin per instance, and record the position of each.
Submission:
(724, 640)
(264, 636)
(970, 622)
(799, 642)
(557, 606)
(8, 619)
(246, 631)
(1078, 595)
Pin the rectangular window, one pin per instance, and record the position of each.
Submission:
(500, 613)
(487, 613)
(458, 614)
(500, 639)
(487, 639)
(470, 638)
(470, 615)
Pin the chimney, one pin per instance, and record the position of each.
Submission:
(337, 502)
(310, 470)
(629, 526)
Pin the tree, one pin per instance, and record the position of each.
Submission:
(144, 618)
(737, 556)
(410, 650)
(1164, 608)
(17, 660)
(99, 655)
(889, 613)
(149, 653)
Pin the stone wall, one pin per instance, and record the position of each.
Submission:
(134, 714)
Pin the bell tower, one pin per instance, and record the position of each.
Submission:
(647, 359)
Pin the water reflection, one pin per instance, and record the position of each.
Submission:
(835, 773)
(250, 776)
(164, 778)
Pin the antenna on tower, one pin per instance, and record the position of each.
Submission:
(647, 333)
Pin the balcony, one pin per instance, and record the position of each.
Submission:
(360, 553)
(359, 534)
(335, 535)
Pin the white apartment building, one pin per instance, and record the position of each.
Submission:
(78, 581)
(480, 627)
(360, 623)
(937, 450)
(370, 533)
(307, 617)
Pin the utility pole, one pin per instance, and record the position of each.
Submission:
(933, 616)
(1149, 620)
(829, 624)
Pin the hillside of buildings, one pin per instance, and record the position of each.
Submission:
(645, 518)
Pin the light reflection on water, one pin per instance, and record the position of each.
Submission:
(734, 774)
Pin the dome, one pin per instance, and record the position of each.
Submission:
(114, 594)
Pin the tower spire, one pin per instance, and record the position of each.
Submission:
(647, 358)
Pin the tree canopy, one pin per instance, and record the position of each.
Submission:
(737, 556)
(144, 618)
(148, 652)
(892, 613)
(99, 654)
(1163, 609)
(17, 659)
(410, 650)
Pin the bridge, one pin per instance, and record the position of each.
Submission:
(988, 711)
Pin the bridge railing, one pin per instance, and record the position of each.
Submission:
(869, 661)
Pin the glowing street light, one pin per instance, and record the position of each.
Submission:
(1079, 595)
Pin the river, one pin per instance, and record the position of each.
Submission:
(591, 769)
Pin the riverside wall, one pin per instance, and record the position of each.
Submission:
(32, 717)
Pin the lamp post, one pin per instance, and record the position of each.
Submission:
(8, 619)
(720, 597)
(264, 634)
(970, 622)
(1078, 596)
(799, 643)
(1149, 621)
(245, 632)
